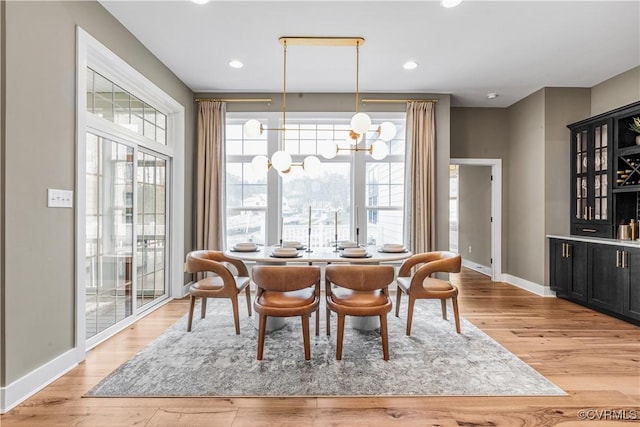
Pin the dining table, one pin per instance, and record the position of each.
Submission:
(322, 256)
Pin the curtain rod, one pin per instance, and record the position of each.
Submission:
(234, 99)
(380, 100)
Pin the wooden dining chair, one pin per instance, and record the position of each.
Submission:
(360, 290)
(286, 291)
(420, 284)
(223, 285)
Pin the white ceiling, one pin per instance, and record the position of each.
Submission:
(512, 48)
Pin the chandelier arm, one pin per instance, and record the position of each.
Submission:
(284, 85)
(357, 75)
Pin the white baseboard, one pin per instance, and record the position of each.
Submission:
(23, 388)
(543, 291)
(476, 267)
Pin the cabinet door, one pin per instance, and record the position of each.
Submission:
(577, 253)
(560, 267)
(603, 290)
(591, 205)
(632, 283)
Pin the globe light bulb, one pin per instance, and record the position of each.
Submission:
(386, 131)
(260, 163)
(312, 165)
(281, 160)
(379, 150)
(360, 123)
(329, 149)
(252, 128)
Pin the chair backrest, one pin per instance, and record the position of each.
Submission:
(213, 261)
(360, 277)
(285, 278)
(436, 262)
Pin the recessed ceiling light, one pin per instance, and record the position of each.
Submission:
(200, 1)
(492, 95)
(450, 3)
(234, 63)
(410, 65)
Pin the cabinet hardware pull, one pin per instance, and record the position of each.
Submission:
(565, 247)
(568, 250)
(589, 230)
(617, 258)
(584, 213)
(590, 213)
(624, 256)
(563, 250)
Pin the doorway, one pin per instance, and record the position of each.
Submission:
(475, 208)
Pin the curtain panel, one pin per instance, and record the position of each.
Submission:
(420, 232)
(210, 224)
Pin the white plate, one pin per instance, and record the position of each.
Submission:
(296, 255)
(346, 255)
(234, 249)
(392, 251)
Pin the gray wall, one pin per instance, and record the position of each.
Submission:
(483, 133)
(39, 304)
(474, 221)
(339, 102)
(525, 192)
(615, 92)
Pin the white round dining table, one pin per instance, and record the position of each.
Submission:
(319, 255)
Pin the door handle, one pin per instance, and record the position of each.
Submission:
(624, 258)
(589, 230)
(617, 258)
(584, 213)
(568, 250)
(590, 213)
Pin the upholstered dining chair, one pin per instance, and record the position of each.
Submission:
(286, 291)
(420, 285)
(223, 285)
(360, 290)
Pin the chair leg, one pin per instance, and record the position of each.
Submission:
(262, 326)
(236, 316)
(318, 321)
(247, 291)
(340, 336)
(328, 317)
(305, 337)
(456, 314)
(384, 336)
(398, 297)
(443, 302)
(192, 305)
(412, 301)
(203, 307)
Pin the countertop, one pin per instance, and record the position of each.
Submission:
(613, 242)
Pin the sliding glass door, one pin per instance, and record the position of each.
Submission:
(126, 204)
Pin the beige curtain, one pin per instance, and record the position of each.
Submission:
(420, 175)
(210, 176)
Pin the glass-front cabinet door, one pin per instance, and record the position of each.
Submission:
(591, 179)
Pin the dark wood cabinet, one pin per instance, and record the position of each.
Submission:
(605, 172)
(605, 276)
(631, 288)
(601, 276)
(569, 271)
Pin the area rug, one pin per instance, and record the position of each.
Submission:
(213, 361)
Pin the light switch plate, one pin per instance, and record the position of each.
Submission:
(59, 198)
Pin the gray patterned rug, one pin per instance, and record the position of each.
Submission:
(213, 361)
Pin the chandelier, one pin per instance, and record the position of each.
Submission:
(360, 122)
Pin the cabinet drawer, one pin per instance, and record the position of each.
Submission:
(593, 230)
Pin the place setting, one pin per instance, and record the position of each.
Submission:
(355, 252)
(392, 248)
(285, 252)
(245, 247)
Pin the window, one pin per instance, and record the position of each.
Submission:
(265, 208)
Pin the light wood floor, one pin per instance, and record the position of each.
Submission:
(593, 357)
